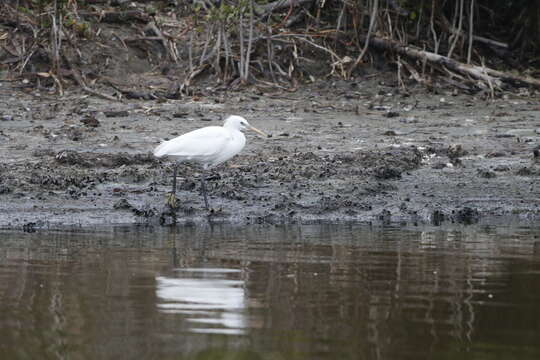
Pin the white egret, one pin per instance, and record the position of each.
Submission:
(208, 146)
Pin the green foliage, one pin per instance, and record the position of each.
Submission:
(227, 14)
(81, 28)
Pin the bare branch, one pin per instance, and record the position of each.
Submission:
(375, 8)
(471, 37)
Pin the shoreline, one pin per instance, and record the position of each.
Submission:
(338, 152)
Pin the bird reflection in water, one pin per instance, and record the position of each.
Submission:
(213, 303)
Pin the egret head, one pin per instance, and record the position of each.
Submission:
(239, 123)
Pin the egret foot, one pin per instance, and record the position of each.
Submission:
(171, 200)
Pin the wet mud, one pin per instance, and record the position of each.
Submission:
(339, 151)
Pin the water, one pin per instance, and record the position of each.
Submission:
(310, 292)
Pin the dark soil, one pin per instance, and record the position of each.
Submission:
(339, 151)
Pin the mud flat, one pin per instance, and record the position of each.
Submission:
(339, 151)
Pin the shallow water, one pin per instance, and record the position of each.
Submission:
(296, 292)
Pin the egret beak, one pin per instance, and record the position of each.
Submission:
(258, 131)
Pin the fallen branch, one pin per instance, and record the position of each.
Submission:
(489, 41)
(487, 75)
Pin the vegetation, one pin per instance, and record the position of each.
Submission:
(470, 44)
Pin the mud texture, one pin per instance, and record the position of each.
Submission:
(339, 151)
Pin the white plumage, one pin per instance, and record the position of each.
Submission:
(208, 146)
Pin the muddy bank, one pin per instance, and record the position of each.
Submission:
(339, 151)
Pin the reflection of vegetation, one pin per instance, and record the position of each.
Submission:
(480, 350)
(328, 291)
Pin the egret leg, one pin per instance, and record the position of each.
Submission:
(171, 197)
(203, 187)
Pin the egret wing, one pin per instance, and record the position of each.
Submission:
(200, 145)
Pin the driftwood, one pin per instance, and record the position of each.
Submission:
(487, 75)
